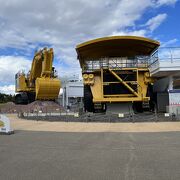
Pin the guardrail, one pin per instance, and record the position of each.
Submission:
(116, 63)
(165, 57)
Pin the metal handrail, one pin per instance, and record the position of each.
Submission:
(166, 53)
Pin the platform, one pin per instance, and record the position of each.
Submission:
(165, 62)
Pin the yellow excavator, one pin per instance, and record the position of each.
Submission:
(41, 83)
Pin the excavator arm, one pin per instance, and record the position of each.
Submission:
(47, 86)
(36, 68)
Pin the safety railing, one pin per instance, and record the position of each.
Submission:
(116, 63)
(165, 57)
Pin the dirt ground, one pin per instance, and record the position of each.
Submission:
(30, 125)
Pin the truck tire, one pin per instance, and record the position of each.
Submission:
(138, 107)
(88, 99)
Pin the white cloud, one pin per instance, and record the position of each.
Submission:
(9, 89)
(141, 32)
(10, 65)
(63, 24)
(156, 21)
(166, 2)
(170, 42)
(68, 71)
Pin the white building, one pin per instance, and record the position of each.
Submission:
(165, 67)
(72, 92)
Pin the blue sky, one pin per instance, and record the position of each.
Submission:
(170, 28)
(26, 27)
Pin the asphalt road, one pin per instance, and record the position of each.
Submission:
(87, 156)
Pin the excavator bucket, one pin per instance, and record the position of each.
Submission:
(47, 88)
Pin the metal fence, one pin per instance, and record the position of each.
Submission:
(100, 117)
(167, 54)
(116, 62)
(58, 113)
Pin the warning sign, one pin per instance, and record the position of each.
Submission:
(5, 125)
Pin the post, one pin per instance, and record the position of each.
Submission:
(67, 98)
(63, 98)
(170, 83)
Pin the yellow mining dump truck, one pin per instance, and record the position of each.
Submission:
(115, 70)
(41, 83)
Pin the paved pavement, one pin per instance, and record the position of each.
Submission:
(87, 156)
